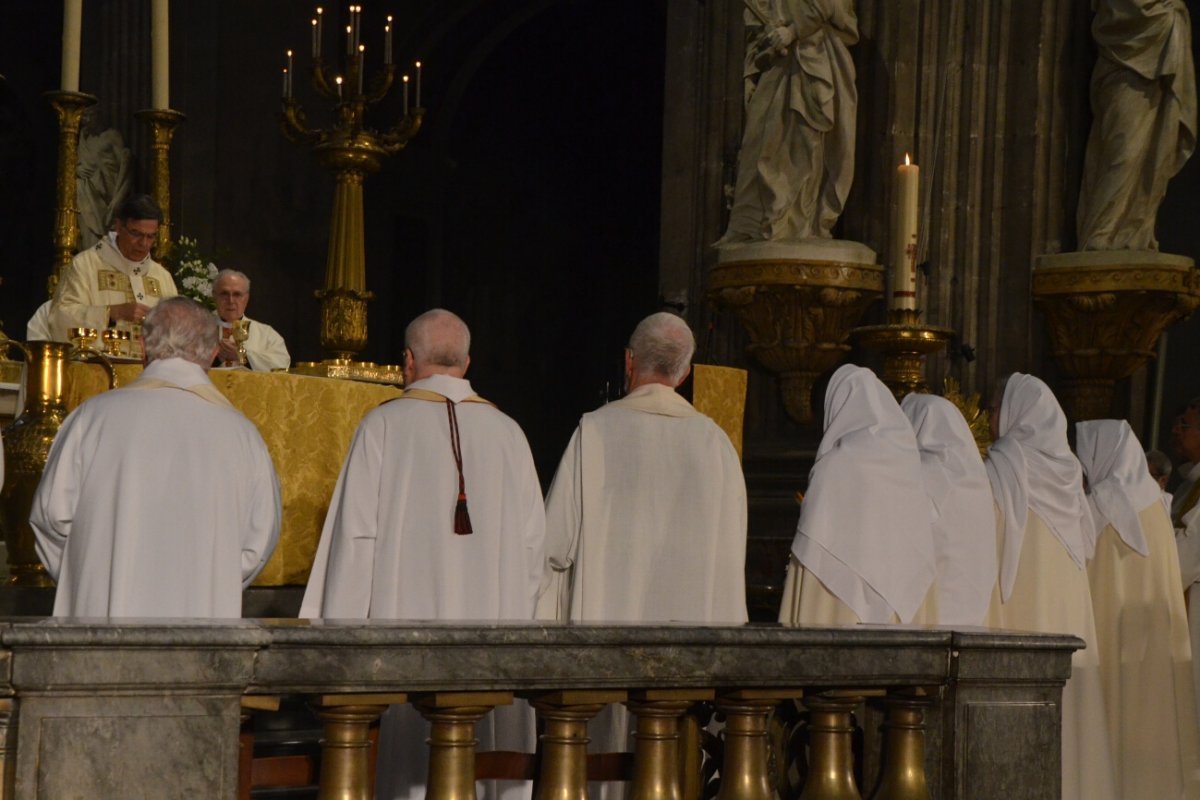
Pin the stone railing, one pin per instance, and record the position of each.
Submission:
(95, 709)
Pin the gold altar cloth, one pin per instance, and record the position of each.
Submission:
(720, 394)
(307, 424)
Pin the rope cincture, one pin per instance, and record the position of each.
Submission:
(462, 519)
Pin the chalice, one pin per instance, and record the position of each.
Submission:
(240, 333)
(83, 338)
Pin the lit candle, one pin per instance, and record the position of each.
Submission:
(405, 81)
(159, 63)
(316, 49)
(320, 31)
(286, 94)
(387, 41)
(418, 84)
(289, 57)
(349, 40)
(71, 38)
(338, 81)
(357, 25)
(904, 236)
(362, 49)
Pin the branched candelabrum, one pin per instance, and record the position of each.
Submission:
(353, 151)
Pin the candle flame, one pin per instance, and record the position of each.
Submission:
(320, 11)
(347, 29)
(906, 161)
(314, 22)
(289, 53)
(389, 17)
(418, 65)
(405, 79)
(362, 48)
(338, 80)
(387, 28)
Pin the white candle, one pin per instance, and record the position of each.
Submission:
(71, 38)
(357, 25)
(387, 41)
(286, 93)
(418, 84)
(316, 50)
(362, 48)
(405, 80)
(349, 40)
(320, 32)
(904, 236)
(160, 66)
(338, 81)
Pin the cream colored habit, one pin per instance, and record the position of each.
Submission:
(388, 549)
(156, 502)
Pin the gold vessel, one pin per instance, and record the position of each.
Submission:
(26, 447)
(905, 343)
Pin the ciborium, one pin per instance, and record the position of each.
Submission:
(351, 150)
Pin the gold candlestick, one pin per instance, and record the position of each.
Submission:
(905, 343)
(352, 151)
(70, 107)
(162, 122)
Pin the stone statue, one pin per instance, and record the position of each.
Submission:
(796, 162)
(1144, 103)
(103, 179)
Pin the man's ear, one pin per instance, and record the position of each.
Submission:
(467, 366)
(684, 378)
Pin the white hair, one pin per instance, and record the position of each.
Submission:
(232, 273)
(438, 337)
(662, 345)
(179, 327)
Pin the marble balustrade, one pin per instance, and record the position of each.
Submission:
(113, 709)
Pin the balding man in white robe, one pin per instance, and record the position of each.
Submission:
(1043, 528)
(158, 499)
(437, 514)
(863, 551)
(646, 518)
(964, 521)
(1141, 624)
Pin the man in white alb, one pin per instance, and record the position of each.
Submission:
(158, 499)
(265, 349)
(437, 514)
(1185, 515)
(1043, 527)
(116, 282)
(646, 518)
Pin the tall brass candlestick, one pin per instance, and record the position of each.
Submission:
(162, 122)
(352, 151)
(70, 107)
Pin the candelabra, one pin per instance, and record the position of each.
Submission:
(162, 122)
(905, 343)
(70, 107)
(352, 151)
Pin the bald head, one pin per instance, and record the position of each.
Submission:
(438, 343)
(660, 351)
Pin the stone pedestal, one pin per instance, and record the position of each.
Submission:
(1104, 312)
(798, 301)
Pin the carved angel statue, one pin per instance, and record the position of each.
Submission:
(103, 178)
(796, 161)
(1144, 104)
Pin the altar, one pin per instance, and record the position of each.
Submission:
(307, 424)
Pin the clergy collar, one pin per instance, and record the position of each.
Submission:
(456, 389)
(657, 398)
(111, 241)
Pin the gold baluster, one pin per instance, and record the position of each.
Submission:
(563, 773)
(830, 757)
(745, 775)
(346, 743)
(452, 739)
(903, 775)
(656, 750)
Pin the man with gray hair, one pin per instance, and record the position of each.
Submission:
(646, 518)
(437, 514)
(158, 499)
(265, 350)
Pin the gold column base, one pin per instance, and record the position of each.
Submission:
(798, 313)
(346, 743)
(162, 122)
(452, 740)
(745, 774)
(563, 774)
(905, 343)
(831, 756)
(1104, 313)
(903, 775)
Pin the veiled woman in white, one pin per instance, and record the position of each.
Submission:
(964, 521)
(863, 550)
(1141, 624)
(1043, 527)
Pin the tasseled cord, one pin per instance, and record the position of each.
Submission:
(462, 520)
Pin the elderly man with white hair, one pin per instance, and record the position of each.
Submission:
(437, 514)
(1141, 623)
(158, 499)
(265, 349)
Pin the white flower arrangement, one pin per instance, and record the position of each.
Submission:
(193, 275)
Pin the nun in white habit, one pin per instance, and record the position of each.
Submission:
(863, 550)
(964, 521)
(1043, 527)
(1141, 624)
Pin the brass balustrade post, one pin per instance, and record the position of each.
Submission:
(346, 743)
(656, 759)
(903, 775)
(162, 122)
(70, 107)
(452, 739)
(830, 755)
(563, 774)
(745, 775)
